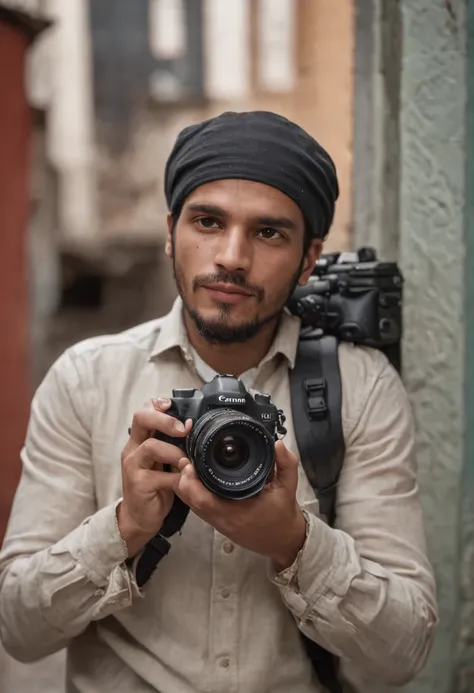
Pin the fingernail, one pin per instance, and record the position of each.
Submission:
(178, 426)
(161, 403)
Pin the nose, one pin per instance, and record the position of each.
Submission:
(234, 253)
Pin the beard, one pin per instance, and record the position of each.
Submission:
(218, 330)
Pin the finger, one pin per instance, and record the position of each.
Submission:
(161, 481)
(286, 463)
(147, 421)
(193, 492)
(188, 472)
(140, 429)
(183, 462)
(153, 453)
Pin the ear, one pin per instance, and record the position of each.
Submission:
(169, 243)
(312, 254)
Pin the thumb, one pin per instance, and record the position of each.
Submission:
(286, 464)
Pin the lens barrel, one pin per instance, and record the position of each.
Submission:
(232, 453)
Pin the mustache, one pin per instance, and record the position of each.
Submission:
(228, 278)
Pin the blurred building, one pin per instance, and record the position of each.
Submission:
(21, 127)
(110, 85)
(19, 27)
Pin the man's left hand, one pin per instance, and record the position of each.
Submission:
(270, 523)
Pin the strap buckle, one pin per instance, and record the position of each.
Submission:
(160, 545)
(316, 394)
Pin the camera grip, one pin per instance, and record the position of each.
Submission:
(178, 442)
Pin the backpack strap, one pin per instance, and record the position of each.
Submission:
(316, 401)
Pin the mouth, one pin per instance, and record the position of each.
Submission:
(227, 293)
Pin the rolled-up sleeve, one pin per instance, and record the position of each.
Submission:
(365, 590)
(62, 564)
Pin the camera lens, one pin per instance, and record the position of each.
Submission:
(233, 454)
(231, 451)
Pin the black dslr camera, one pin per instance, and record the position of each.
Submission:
(355, 297)
(232, 441)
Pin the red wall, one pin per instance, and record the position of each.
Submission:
(15, 127)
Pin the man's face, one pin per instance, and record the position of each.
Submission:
(237, 254)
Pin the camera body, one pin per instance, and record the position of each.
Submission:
(232, 441)
(355, 297)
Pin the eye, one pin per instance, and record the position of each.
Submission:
(269, 233)
(207, 223)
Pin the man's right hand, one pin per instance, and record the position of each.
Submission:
(148, 491)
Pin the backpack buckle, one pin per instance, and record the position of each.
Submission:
(316, 395)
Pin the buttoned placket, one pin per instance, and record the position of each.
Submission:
(224, 599)
(223, 622)
(223, 618)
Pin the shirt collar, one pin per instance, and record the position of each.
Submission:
(173, 335)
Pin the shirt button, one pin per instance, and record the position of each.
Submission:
(228, 547)
(225, 594)
(225, 663)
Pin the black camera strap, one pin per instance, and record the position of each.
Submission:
(157, 548)
(316, 401)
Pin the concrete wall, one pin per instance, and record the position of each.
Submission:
(377, 150)
(409, 200)
(465, 650)
(432, 251)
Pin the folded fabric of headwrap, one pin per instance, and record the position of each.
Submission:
(258, 146)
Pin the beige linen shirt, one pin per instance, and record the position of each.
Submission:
(214, 617)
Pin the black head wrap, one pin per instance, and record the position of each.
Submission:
(258, 146)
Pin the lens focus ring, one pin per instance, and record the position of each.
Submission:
(232, 453)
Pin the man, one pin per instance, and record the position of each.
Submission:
(251, 199)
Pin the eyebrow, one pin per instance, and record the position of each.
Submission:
(206, 209)
(265, 220)
(279, 222)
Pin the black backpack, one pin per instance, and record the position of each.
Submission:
(316, 399)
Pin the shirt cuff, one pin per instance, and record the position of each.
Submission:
(318, 567)
(96, 545)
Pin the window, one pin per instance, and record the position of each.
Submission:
(168, 31)
(276, 44)
(226, 48)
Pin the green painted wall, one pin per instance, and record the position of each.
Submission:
(414, 153)
(432, 248)
(464, 682)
